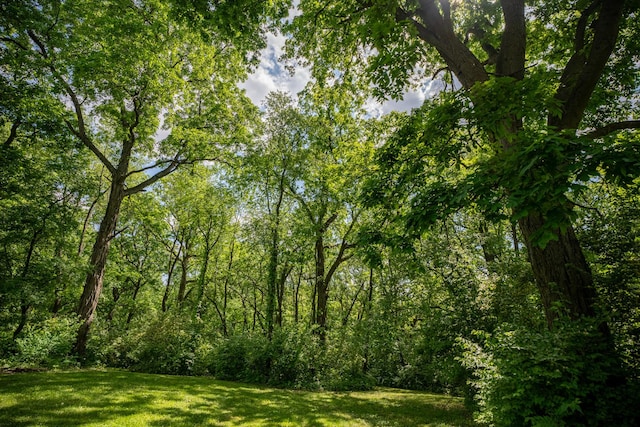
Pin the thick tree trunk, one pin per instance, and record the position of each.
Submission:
(98, 261)
(561, 271)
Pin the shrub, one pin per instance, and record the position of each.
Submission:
(48, 344)
(563, 377)
(171, 345)
(229, 359)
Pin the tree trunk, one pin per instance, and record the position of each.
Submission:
(98, 261)
(561, 271)
(296, 298)
(321, 288)
(272, 278)
(24, 316)
(172, 266)
(284, 274)
(116, 297)
(182, 289)
(136, 289)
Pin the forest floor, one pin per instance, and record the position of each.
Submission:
(120, 398)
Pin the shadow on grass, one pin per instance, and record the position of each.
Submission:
(122, 398)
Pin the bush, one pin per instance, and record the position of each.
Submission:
(171, 345)
(48, 344)
(292, 358)
(564, 377)
(253, 358)
(229, 359)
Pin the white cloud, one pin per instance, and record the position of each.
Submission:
(271, 74)
(413, 98)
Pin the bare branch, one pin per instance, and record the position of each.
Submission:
(584, 69)
(153, 166)
(578, 43)
(154, 178)
(80, 132)
(38, 42)
(14, 41)
(328, 222)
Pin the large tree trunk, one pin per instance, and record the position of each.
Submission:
(561, 271)
(98, 261)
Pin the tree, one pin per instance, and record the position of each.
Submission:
(116, 70)
(334, 152)
(42, 182)
(268, 169)
(541, 88)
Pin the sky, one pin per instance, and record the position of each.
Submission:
(271, 75)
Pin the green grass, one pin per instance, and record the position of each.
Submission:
(118, 398)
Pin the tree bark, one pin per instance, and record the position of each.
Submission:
(321, 287)
(561, 271)
(98, 261)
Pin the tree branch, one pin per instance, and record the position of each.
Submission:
(89, 144)
(586, 66)
(153, 166)
(578, 43)
(328, 222)
(14, 41)
(436, 31)
(612, 127)
(511, 57)
(154, 178)
(81, 132)
(12, 134)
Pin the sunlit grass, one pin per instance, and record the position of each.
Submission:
(118, 398)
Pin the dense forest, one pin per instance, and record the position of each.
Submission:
(485, 244)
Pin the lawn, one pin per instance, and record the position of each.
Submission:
(118, 398)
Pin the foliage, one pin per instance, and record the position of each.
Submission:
(560, 377)
(170, 345)
(610, 230)
(47, 344)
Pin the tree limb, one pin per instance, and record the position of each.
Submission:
(89, 144)
(436, 31)
(586, 66)
(511, 57)
(154, 178)
(12, 134)
(579, 40)
(14, 41)
(80, 132)
(612, 127)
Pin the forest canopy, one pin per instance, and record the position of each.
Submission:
(485, 243)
